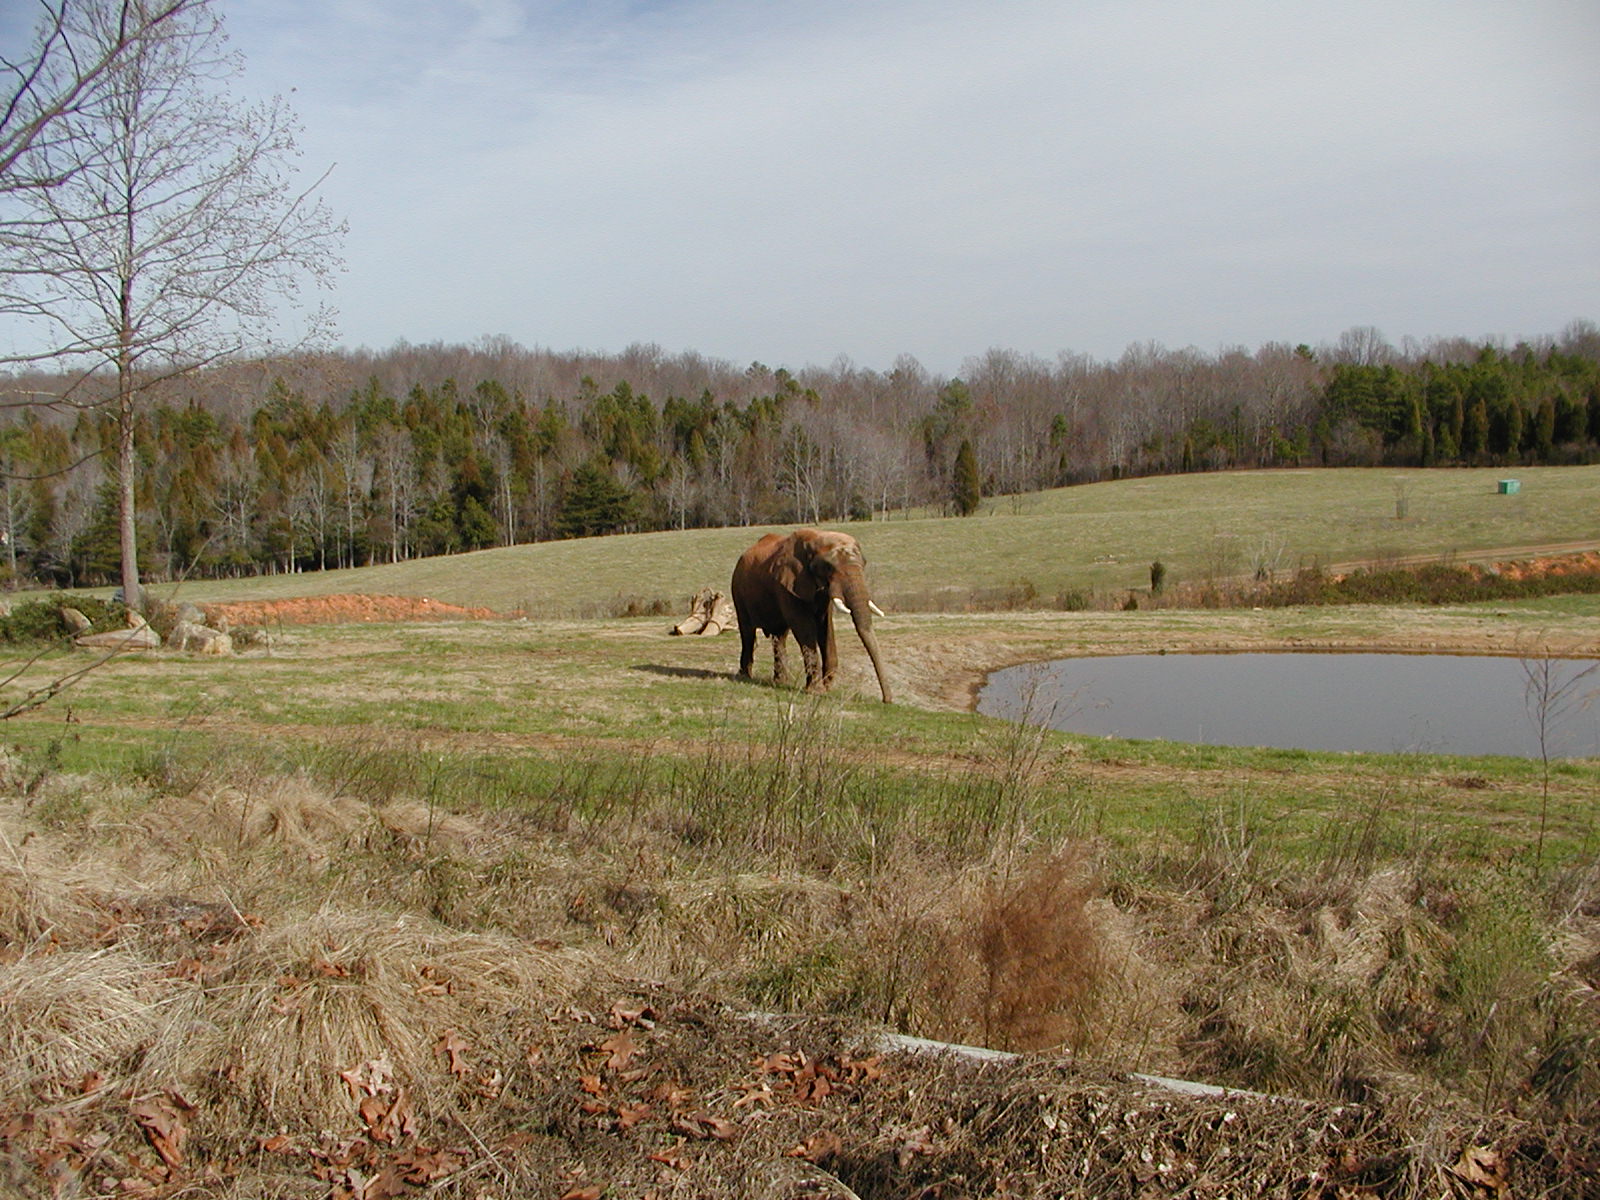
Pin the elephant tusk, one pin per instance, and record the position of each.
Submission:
(872, 604)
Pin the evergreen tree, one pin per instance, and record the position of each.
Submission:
(967, 484)
(596, 502)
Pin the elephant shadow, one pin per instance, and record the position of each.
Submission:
(680, 672)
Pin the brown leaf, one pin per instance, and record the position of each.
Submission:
(592, 1085)
(454, 1048)
(387, 1120)
(591, 1191)
(630, 1115)
(490, 1085)
(619, 1049)
(753, 1094)
(368, 1078)
(422, 1165)
(702, 1126)
(916, 1143)
(535, 1055)
(674, 1158)
(672, 1096)
(865, 1070)
(1482, 1166)
(164, 1121)
(278, 1143)
(644, 1018)
(817, 1147)
(329, 970)
(777, 1064)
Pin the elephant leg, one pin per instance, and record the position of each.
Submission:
(747, 648)
(828, 651)
(780, 662)
(816, 678)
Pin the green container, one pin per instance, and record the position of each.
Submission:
(1510, 487)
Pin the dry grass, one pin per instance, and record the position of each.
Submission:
(326, 988)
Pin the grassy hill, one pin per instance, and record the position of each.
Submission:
(1099, 537)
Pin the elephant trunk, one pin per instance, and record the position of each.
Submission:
(853, 590)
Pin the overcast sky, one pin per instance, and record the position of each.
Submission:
(793, 180)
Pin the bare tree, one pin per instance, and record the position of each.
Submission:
(169, 234)
(62, 75)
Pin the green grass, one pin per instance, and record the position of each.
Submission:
(520, 704)
(1099, 538)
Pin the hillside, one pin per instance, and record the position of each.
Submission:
(1095, 538)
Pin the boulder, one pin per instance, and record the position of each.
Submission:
(75, 621)
(191, 613)
(190, 635)
(139, 638)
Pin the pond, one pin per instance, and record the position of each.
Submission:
(1389, 703)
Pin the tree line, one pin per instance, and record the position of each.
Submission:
(354, 458)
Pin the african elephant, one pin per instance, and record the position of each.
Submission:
(784, 585)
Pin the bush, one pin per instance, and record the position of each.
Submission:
(35, 621)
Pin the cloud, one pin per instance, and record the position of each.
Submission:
(791, 182)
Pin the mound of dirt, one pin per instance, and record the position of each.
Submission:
(1587, 563)
(340, 610)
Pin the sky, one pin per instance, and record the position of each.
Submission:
(795, 182)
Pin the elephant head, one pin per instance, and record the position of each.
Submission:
(790, 583)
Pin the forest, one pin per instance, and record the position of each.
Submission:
(355, 457)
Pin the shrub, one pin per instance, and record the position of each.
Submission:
(35, 621)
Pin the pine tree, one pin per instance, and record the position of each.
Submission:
(968, 486)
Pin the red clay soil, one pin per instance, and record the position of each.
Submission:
(340, 610)
(1587, 563)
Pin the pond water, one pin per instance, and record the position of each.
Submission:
(1389, 703)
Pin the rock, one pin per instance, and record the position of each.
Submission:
(75, 621)
(191, 613)
(135, 620)
(140, 638)
(190, 635)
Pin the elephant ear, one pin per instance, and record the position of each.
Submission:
(793, 576)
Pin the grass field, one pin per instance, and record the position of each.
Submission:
(1096, 538)
(229, 880)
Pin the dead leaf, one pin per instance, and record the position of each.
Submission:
(674, 1158)
(1482, 1166)
(535, 1055)
(387, 1120)
(702, 1126)
(592, 1085)
(490, 1085)
(777, 1064)
(368, 1078)
(644, 1017)
(916, 1143)
(422, 1165)
(588, 1192)
(672, 1096)
(164, 1120)
(753, 1094)
(631, 1115)
(817, 1147)
(454, 1048)
(278, 1143)
(619, 1049)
